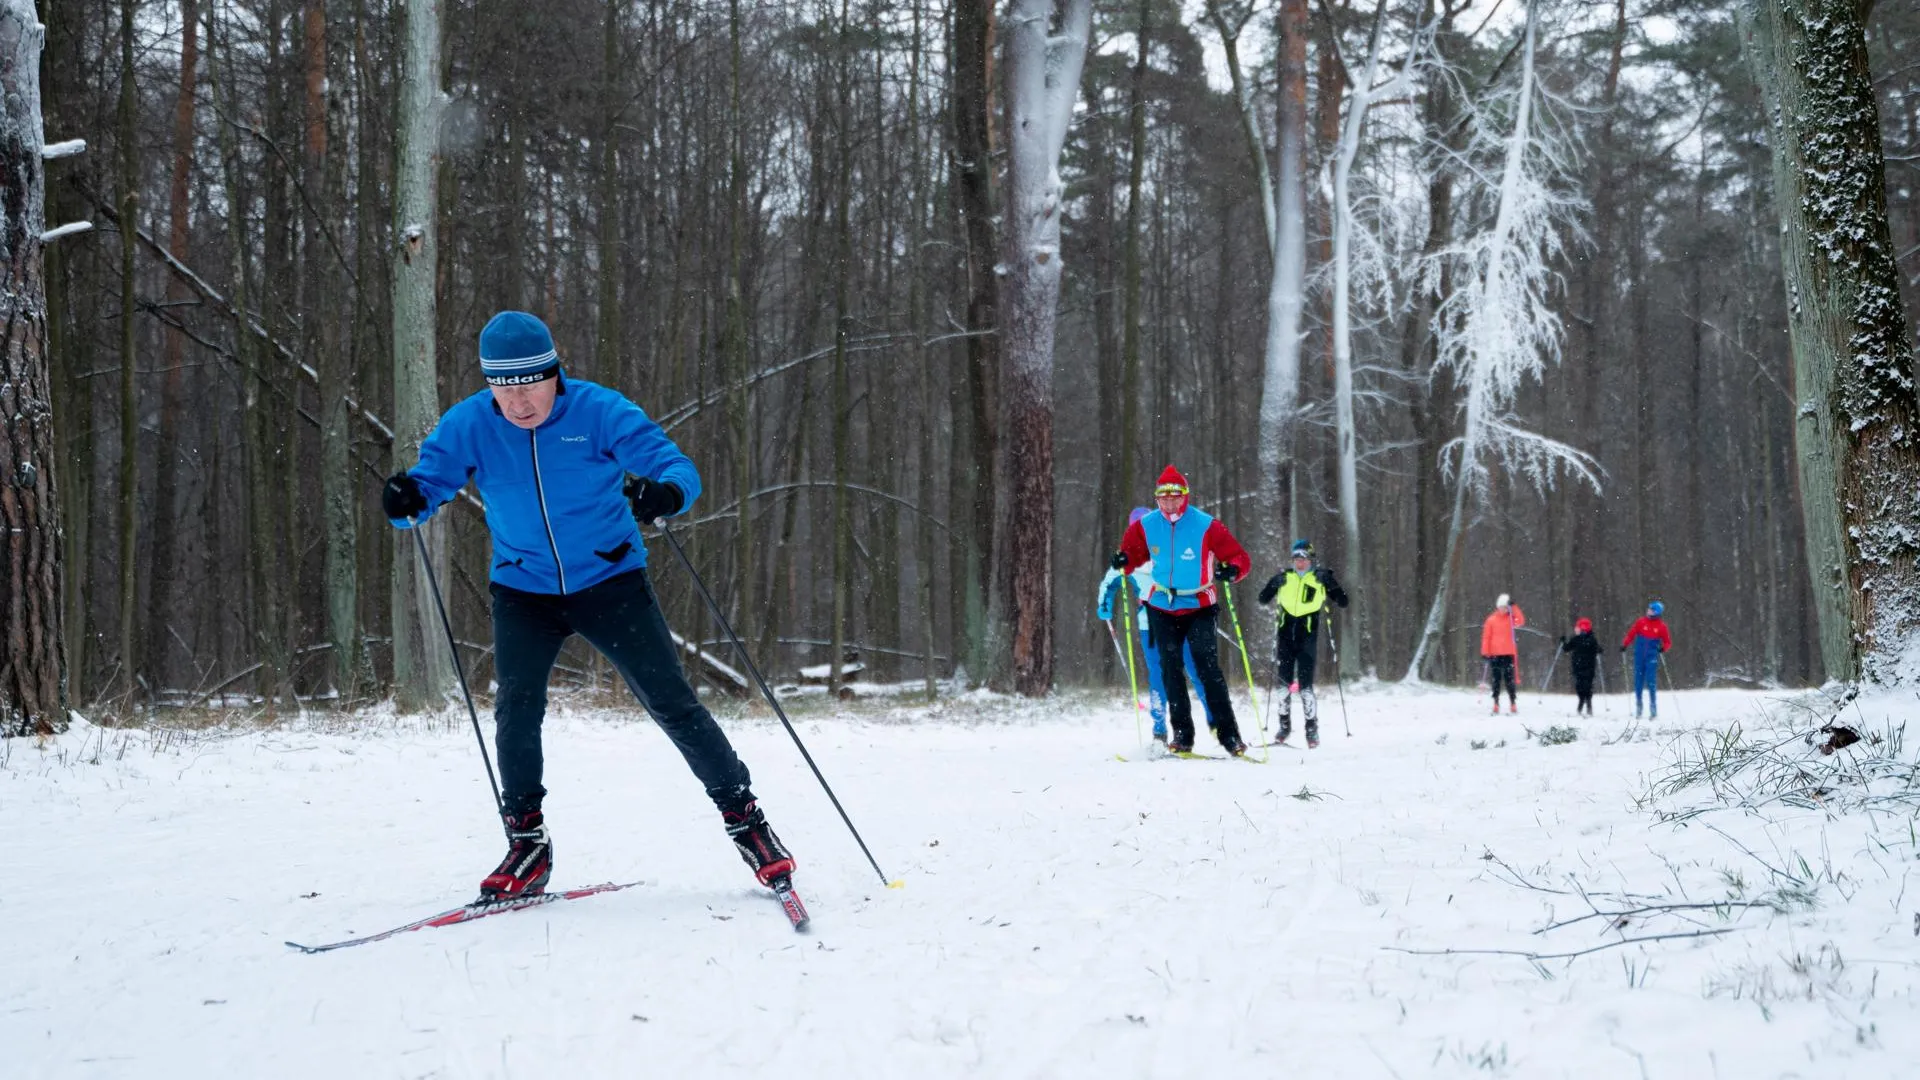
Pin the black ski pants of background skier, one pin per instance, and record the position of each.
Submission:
(1583, 693)
(1500, 673)
(621, 619)
(1296, 650)
(1172, 633)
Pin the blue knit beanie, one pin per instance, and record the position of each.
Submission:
(516, 348)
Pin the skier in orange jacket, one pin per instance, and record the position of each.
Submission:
(1501, 651)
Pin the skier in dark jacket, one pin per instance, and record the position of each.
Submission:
(1303, 592)
(1583, 655)
(549, 456)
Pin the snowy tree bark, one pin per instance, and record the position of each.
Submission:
(422, 671)
(1286, 294)
(1046, 47)
(1858, 430)
(32, 659)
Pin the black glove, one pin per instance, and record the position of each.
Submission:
(1623, 648)
(653, 499)
(402, 498)
(1119, 560)
(1226, 572)
(1271, 589)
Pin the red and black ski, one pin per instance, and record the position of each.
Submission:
(475, 910)
(790, 903)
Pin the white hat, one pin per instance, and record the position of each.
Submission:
(1502, 602)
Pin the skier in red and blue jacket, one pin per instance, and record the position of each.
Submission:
(1650, 639)
(549, 456)
(1193, 558)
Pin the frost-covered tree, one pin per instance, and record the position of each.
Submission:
(1857, 437)
(1046, 48)
(32, 660)
(1359, 103)
(1501, 330)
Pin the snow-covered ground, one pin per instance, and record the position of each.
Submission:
(1063, 914)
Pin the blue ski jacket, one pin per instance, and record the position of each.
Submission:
(555, 510)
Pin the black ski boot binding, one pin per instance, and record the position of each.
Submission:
(758, 846)
(529, 861)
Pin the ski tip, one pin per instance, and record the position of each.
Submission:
(308, 949)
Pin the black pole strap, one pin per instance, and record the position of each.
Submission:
(753, 669)
(459, 669)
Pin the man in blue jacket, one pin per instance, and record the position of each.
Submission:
(549, 456)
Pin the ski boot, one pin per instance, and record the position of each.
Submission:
(1231, 742)
(1513, 708)
(758, 846)
(529, 861)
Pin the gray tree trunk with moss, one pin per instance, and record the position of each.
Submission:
(1856, 433)
(422, 672)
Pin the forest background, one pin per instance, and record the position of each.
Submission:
(776, 226)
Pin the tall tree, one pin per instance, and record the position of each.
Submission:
(160, 598)
(421, 670)
(971, 104)
(125, 135)
(1286, 292)
(1858, 423)
(32, 656)
(1046, 43)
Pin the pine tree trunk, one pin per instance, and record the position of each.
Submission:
(127, 503)
(166, 527)
(32, 654)
(1133, 314)
(1858, 420)
(1043, 81)
(421, 665)
(973, 36)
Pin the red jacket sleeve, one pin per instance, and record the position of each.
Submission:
(1134, 546)
(1632, 631)
(1666, 639)
(1224, 548)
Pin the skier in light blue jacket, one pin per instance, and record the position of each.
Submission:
(1156, 686)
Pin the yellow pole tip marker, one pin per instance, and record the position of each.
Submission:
(897, 883)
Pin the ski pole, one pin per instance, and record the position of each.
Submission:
(459, 669)
(1127, 617)
(754, 669)
(1544, 683)
(1253, 691)
(1339, 685)
(1668, 672)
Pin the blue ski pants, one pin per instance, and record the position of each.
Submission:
(1646, 673)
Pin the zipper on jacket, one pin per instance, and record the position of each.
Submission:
(540, 492)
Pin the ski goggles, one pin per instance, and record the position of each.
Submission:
(1166, 490)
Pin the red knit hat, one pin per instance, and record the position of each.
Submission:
(1583, 626)
(1171, 483)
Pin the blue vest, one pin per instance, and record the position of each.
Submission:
(1182, 578)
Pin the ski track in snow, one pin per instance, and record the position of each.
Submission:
(1064, 914)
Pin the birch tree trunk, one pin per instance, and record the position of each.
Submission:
(32, 657)
(1280, 386)
(1856, 434)
(1046, 47)
(421, 664)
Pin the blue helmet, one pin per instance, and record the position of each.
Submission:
(1657, 608)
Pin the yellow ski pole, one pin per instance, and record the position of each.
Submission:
(1253, 691)
(1129, 619)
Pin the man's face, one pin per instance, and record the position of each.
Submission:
(1171, 505)
(1301, 563)
(527, 404)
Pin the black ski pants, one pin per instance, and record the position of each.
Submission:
(620, 618)
(1173, 632)
(1583, 692)
(1500, 673)
(1296, 649)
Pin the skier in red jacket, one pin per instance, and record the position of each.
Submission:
(1193, 558)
